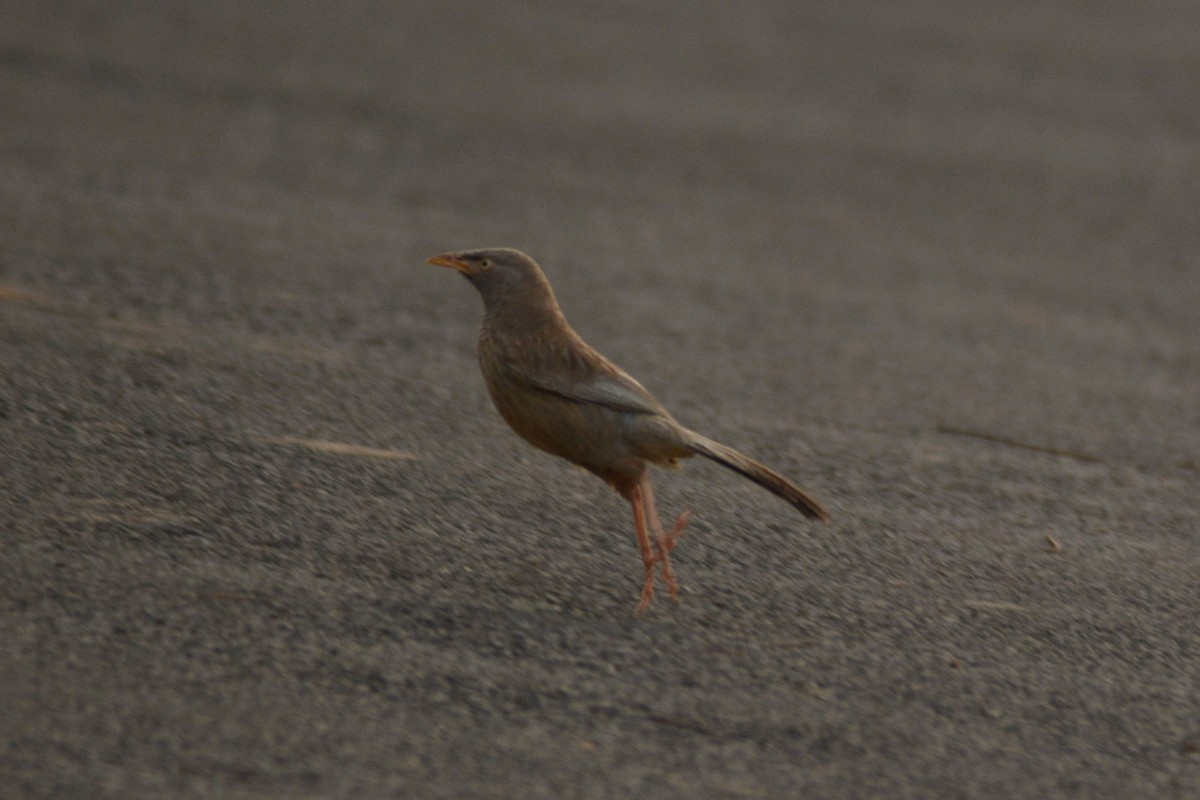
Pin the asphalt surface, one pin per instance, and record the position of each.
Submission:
(264, 536)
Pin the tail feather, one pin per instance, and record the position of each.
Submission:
(761, 474)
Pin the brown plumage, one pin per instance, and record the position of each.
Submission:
(562, 396)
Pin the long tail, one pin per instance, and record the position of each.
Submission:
(761, 474)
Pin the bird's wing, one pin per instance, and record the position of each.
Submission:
(619, 392)
(578, 372)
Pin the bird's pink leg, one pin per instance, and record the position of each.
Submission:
(664, 542)
(634, 492)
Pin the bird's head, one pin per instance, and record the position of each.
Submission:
(502, 275)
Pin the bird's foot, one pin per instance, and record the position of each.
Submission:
(648, 588)
(666, 544)
(669, 578)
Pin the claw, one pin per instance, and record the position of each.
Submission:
(647, 591)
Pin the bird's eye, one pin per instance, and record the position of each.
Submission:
(485, 263)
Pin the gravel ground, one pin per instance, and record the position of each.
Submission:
(265, 537)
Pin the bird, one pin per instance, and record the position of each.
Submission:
(564, 397)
